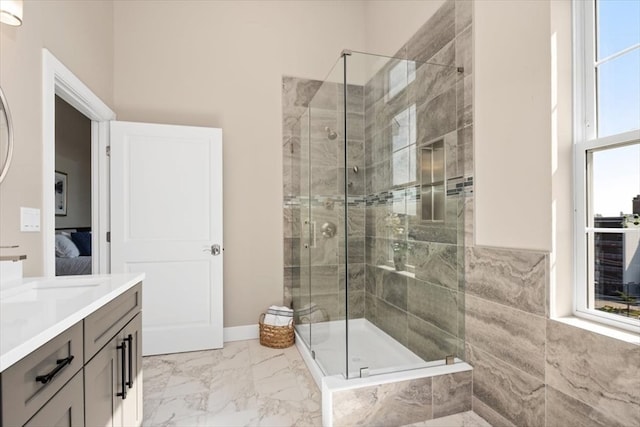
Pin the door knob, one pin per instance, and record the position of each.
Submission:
(213, 249)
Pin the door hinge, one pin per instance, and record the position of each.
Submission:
(108, 150)
(108, 236)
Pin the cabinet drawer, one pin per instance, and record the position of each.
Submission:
(65, 409)
(54, 364)
(106, 322)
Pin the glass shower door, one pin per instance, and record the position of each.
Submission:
(324, 228)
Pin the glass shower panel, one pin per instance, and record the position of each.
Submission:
(413, 260)
(326, 309)
(302, 292)
(377, 336)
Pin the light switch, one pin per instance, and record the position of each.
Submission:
(29, 219)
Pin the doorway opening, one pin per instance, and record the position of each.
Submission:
(72, 190)
(60, 84)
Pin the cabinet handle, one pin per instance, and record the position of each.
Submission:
(130, 339)
(123, 358)
(61, 364)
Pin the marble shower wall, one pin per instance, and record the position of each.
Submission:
(310, 110)
(421, 306)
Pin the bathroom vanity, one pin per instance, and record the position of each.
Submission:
(71, 351)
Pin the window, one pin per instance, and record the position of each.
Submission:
(403, 146)
(403, 177)
(607, 160)
(400, 76)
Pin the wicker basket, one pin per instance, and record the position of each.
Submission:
(276, 336)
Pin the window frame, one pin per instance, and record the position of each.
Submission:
(585, 135)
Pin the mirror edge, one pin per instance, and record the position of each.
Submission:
(7, 114)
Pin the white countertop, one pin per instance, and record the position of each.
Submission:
(35, 310)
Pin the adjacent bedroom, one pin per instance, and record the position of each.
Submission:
(72, 191)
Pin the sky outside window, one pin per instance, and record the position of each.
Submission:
(616, 172)
(617, 26)
(616, 180)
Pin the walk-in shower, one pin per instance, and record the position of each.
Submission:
(376, 154)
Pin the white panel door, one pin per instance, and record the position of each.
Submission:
(166, 218)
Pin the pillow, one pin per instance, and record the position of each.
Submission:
(82, 239)
(65, 248)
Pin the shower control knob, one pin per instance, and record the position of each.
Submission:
(328, 230)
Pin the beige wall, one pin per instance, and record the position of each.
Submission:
(73, 157)
(512, 116)
(561, 258)
(230, 57)
(80, 34)
(221, 64)
(390, 24)
(523, 138)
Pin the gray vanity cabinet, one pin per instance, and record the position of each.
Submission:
(90, 374)
(132, 407)
(101, 378)
(33, 381)
(113, 372)
(65, 409)
(113, 380)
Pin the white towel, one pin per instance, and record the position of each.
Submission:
(280, 311)
(278, 316)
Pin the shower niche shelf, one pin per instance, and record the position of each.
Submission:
(432, 190)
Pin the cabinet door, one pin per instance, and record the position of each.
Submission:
(31, 382)
(132, 405)
(102, 384)
(65, 409)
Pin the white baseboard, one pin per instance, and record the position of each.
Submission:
(241, 333)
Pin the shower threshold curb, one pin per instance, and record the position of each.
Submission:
(329, 385)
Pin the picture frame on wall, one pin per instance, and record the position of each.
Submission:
(61, 187)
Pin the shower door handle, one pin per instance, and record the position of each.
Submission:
(312, 234)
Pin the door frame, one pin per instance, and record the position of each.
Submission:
(57, 79)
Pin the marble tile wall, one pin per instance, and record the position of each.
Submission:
(590, 374)
(404, 402)
(529, 370)
(423, 306)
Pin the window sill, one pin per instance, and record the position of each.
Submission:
(599, 328)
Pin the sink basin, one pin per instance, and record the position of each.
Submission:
(59, 289)
(70, 285)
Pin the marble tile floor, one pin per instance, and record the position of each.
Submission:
(244, 384)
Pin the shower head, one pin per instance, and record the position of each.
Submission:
(331, 134)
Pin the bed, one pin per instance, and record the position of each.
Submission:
(73, 251)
